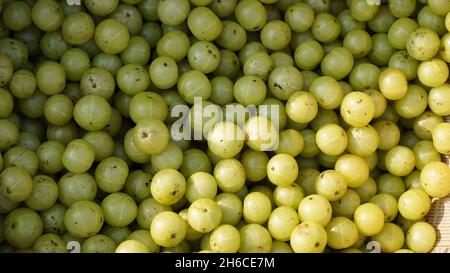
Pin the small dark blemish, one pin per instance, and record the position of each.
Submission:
(276, 85)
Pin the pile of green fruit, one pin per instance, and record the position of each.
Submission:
(90, 99)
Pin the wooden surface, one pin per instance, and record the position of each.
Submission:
(439, 217)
